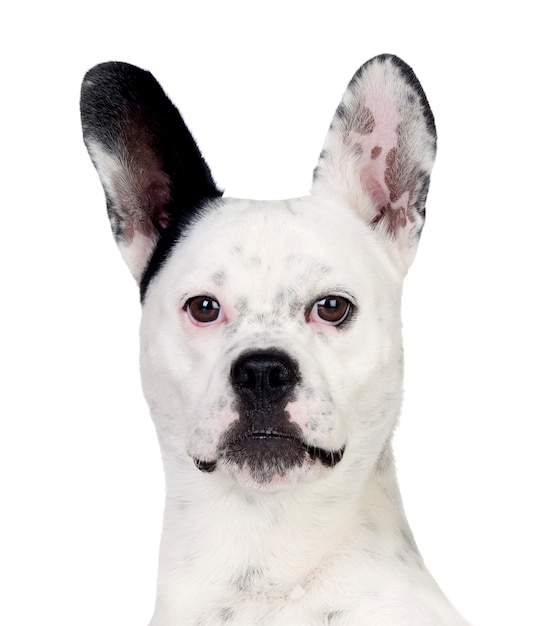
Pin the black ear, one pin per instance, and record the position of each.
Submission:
(379, 152)
(149, 164)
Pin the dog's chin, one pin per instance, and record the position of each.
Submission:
(270, 460)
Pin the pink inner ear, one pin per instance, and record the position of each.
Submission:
(372, 186)
(385, 171)
(376, 142)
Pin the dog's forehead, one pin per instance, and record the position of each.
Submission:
(268, 251)
(280, 240)
(254, 238)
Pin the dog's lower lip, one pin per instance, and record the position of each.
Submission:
(329, 458)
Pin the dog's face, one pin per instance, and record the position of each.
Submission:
(261, 338)
(270, 342)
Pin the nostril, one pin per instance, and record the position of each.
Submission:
(278, 375)
(244, 376)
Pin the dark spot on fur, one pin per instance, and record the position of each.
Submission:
(342, 112)
(262, 319)
(383, 461)
(397, 175)
(229, 330)
(409, 540)
(295, 305)
(219, 278)
(420, 193)
(227, 615)
(279, 299)
(285, 299)
(247, 580)
(362, 121)
(401, 557)
(321, 160)
(312, 424)
(393, 219)
(333, 616)
(376, 151)
(370, 526)
(402, 176)
(242, 306)
(357, 150)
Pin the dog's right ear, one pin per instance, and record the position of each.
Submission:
(149, 164)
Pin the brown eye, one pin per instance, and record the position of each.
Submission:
(332, 310)
(203, 309)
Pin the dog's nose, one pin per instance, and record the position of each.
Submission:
(264, 377)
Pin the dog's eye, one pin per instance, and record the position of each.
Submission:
(333, 310)
(203, 310)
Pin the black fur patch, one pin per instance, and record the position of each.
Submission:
(164, 181)
(168, 238)
(414, 83)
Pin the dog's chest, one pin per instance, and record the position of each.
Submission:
(360, 595)
(351, 582)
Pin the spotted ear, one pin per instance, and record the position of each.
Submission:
(149, 165)
(380, 150)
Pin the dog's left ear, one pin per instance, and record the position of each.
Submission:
(380, 150)
(149, 164)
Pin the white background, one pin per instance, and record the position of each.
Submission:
(81, 483)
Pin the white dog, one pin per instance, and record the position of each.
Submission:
(271, 357)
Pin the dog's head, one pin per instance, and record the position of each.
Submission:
(270, 343)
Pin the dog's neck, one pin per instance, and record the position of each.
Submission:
(293, 533)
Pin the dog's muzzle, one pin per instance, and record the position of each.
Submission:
(263, 439)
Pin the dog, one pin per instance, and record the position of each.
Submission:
(271, 356)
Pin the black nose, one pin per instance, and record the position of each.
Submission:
(265, 377)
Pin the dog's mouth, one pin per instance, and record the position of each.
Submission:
(269, 452)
